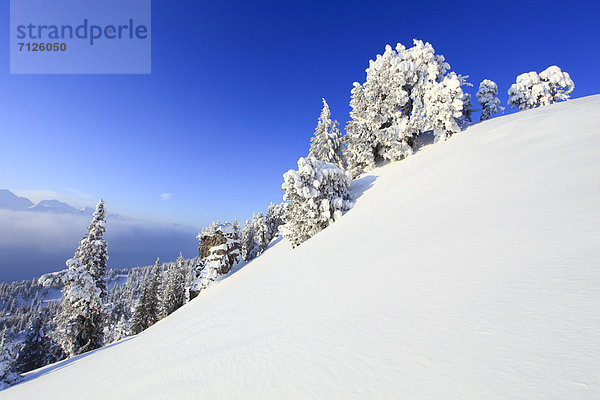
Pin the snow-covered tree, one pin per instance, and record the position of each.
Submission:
(318, 196)
(532, 90)
(326, 144)
(528, 92)
(443, 106)
(488, 100)
(92, 250)
(8, 355)
(147, 308)
(173, 290)
(249, 245)
(80, 322)
(260, 232)
(38, 348)
(467, 109)
(559, 83)
(398, 101)
(274, 219)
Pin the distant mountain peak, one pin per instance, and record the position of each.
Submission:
(10, 201)
(55, 206)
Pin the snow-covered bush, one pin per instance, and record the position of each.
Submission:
(398, 101)
(317, 194)
(487, 99)
(326, 143)
(532, 90)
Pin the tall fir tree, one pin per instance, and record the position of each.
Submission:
(81, 319)
(147, 309)
(173, 289)
(250, 248)
(93, 251)
(326, 143)
(260, 232)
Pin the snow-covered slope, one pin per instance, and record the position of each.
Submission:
(468, 271)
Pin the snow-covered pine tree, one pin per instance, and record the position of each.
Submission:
(80, 321)
(147, 308)
(379, 126)
(488, 100)
(396, 104)
(559, 83)
(528, 92)
(8, 355)
(467, 109)
(274, 219)
(173, 290)
(532, 90)
(318, 196)
(92, 250)
(443, 106)
(360, 139)
(260, 232)
(38, 348)
(250, 248)
(326, 143)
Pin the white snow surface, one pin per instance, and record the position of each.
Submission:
(470, 270)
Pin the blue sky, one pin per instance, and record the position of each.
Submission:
(235, 92)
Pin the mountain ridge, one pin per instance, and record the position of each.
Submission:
(466, 271)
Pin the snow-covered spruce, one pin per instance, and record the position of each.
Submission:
(38, 349)
(274, 219)
(406, 92)
(147, 308)
(532, 90)
(249, 245)
(317, 194)
(80, 321)
(92, 250)
(8, 355)
(326, 143)
(173, 289)
(488, 100)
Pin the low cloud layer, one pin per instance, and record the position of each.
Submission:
(32, 244)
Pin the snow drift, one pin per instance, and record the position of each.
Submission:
(467, 271)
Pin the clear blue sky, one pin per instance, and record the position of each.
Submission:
(235, 92)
